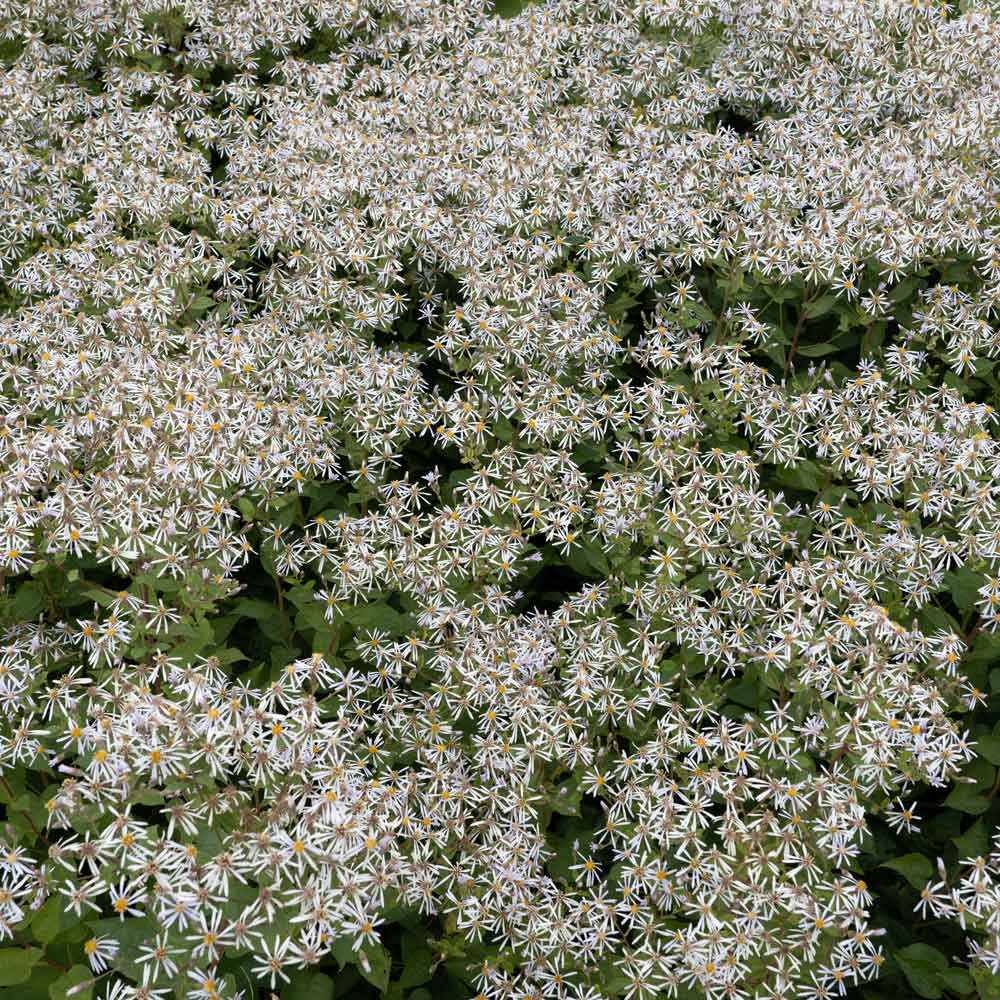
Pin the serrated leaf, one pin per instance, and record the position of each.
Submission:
(915, 868)
(588, 559)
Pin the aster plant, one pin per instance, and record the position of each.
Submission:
(499, 501)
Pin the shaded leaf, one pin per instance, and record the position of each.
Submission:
(817, 350)
(418, 960)
(820, 307)
(16, 964)
(974, 842)
(962, 584)
(377, 972)
(957, 980)
(920, 964)
(915, 868)
(77, 975)
(308, 986)
(967, 799)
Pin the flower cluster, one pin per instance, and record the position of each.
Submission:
(974, 902)
(338, 336)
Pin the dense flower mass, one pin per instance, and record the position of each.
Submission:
(530, 480)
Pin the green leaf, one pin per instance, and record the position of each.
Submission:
(957, 980)
(905, 289)
(820, 307)
(202, 303)
(377, 972)
(376, 616)
(817, 350)
(962, 584)
(36, 987)
(50, 919)
(162, 584)
(202, 637)
(701, 311)
(620, 304)
(28, 601)
(915, 868)
(588, 559)
(27, 813)
(987, 983)
(303, 596)
(988, 747)
(932, 618)
(921, 964)
(418, 960)
(981, 772)
(129, 934)
(565, 799)
(308, 986)
(223, 625)
(611, 976)
(967, 799)
(78, 974)
(267, 616)
(13, 785)
(510, 8)
(805, 476)
(312, 617)
(16, 964)
(503, 429)
(774, 351)
(781, 293)
(974, 843)
(748, 690)
(342, 951)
